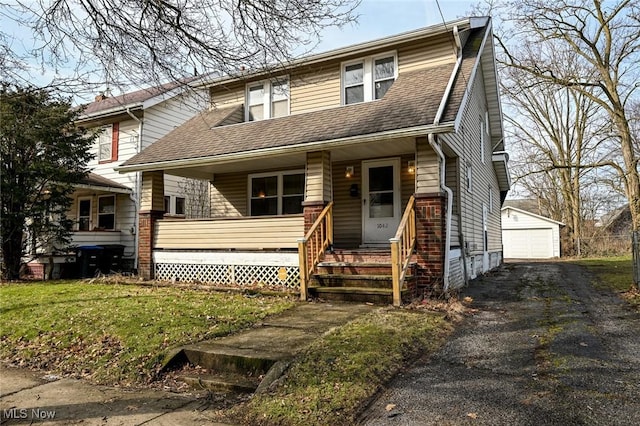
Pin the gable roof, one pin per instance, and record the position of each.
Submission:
(537, 216)
(402, 111)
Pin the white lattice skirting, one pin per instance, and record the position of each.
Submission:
(229, 268)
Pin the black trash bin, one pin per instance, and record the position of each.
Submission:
(111, 258)
(89, 260)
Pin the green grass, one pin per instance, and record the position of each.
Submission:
(335, 377)
(614, 273)
(115, 333)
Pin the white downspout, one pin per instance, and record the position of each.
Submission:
(136, 196)
(436, 147)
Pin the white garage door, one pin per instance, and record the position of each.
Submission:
(528, 243)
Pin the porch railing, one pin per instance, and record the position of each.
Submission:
(312, 247)
(402, 245)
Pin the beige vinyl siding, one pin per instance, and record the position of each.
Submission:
(451, 178)
(467, 143)
(347, 210)
(315, 90)
(427, 168)
(242, 233)
(224, 96)
(426, 53)
(229, 195)
(152, 196)
(318, 180)
(407, 180)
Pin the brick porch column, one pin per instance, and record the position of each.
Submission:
(146, 228)
(430, 236)
(312, 210)
(151, 210)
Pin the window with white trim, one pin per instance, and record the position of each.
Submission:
(469, 178)
(369, 78)
(105, 142)
(107, 212)
(278, 193)
(84, 214)
(267, 99)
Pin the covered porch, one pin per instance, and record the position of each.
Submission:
(297, 219)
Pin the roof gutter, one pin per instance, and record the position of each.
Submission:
(278, 151)
(102, 188)
(435, 144)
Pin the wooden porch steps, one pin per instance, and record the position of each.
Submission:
(362, 275)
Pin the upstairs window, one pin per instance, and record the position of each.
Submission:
(108, 143)
(104, 144)
(354, 83)
(267, 99)
(368, 79)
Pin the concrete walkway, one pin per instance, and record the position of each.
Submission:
(28, 397)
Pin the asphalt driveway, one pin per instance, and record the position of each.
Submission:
(543, 348)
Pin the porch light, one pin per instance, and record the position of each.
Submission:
(411, 168)
(348, 172)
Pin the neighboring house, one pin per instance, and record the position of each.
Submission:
(389, 151)
(106, 204)
(618, 222)
(526, 235)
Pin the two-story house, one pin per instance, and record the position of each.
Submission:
(106, 204)
(370, 172)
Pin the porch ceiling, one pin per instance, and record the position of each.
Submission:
(361, 151)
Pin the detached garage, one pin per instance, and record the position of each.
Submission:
(527, 235)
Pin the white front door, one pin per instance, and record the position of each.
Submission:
(381, 201)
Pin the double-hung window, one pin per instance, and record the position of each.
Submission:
(108, 143)
(267, 99)
(105, 141)
(107, 212)
(277, 193)
(369, 78)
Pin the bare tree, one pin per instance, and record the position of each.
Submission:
(155, 41)
(604, 39)
(558, 136)
(197, 201)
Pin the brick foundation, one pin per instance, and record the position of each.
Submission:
(430, 235)
(146, 228)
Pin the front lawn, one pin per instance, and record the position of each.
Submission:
(615, 273)
(116, 333)
(333, 380)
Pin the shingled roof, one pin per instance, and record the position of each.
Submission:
(411, 102)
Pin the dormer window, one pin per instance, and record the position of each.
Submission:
(267, 99)
(368, 79)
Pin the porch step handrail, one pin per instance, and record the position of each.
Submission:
(402, 245)
(312, 247)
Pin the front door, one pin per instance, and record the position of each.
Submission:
(381, 201)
